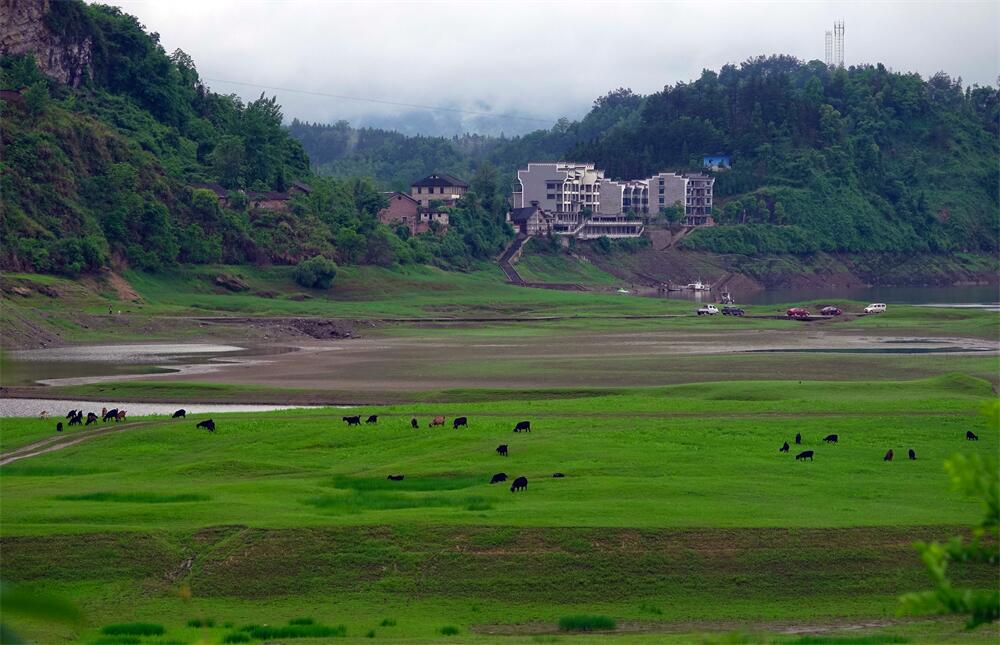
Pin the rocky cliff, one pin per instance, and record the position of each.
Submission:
(24, 28)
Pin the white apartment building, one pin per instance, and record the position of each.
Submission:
(560, 187)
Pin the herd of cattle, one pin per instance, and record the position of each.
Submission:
(832, 438)
(77, 417)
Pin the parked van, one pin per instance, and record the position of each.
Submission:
(875, 308)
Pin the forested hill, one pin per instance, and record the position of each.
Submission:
(861, 159)
(103, 142)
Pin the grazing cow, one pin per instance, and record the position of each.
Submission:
(76, 419)
(91, 418)
(437, 421)
(523, 425)
(395, 478)
(372, 419)
(805, 454)
(109, 415)
(888, 456)
(208, 424)
(70, 415)
(502, 450)
(912, 454)
(499, 477)
(44, 416)
(121, 415)
(459, 421)
(971, 436)
(784, 447)
(830, 438)
(798, 439)
(59, 427)
(353, 421)
(414, 424)
(521, 483)
(558, 475)
(180, 414)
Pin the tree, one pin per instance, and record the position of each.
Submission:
(36, 98)
(227, 161)
(317, 272)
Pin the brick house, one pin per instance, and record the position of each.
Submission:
(402, 210)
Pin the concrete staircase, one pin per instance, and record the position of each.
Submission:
(510, 256)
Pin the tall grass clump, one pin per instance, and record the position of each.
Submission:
(116, 640)
(297, 631)
(133, 629)
(449, 630)
(585, 623)
(388, 622)
(301, 621)
(236, 637)
(201, 622)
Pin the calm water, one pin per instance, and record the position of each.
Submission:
(988, 296)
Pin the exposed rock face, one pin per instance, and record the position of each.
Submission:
(23, 30)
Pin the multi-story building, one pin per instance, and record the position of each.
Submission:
(693, 191)
(439, 187)
(560, 187)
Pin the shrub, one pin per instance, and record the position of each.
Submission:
(585, 623)
(116, 640)
(315, 273)
(236, 637)
(370, 633)
(133, 629)
(388, 622)
(297, 631)
(449, 630)
(201, 622)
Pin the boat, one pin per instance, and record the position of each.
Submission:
(698, 286)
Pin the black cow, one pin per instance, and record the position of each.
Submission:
(70, 415)
(971, 436)
(59, 427)
(208, 424)
(395, 478)
(798, 439)
(499, 477)
(502, 450)
(372, 419)
(180, 414)
(76, 419)
(830, 438)
(912, 454)
(110, 415)
(558, 475)
(353, 421)
(805, 454)
(888, 456)
(413, 423)
(521, 483)
(523, 425)
(91, 418)
(784, 447)
(459, 421)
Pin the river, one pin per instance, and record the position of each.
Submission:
(979, 296)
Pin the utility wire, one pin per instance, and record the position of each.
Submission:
(380, 101)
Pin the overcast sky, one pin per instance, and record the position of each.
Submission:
(539, 59)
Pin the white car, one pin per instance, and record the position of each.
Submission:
(708, 310)
(875, 308)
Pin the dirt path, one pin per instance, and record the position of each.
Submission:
(59, 442)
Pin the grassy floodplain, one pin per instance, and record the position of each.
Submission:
(677, 515)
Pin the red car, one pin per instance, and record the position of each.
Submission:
(831, 311)
(797, 312)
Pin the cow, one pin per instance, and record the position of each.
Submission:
(521, 483)
(109, 415)
(502, 450)
(373, 418)
(458, 422)
(180, 414)
(352, 421)
(523, 425)
(414, 424)
(395, 478)
(798, 439)
(91, 418)
(912, 454)
(830, 438)
(208, 424)
(499, 477)
(888, 456)
(59, 427)
(70, 415)
(971, 436)
(44, 416)
(121, 415)
(784, 447)
(558, 475)
(805, 454)
(437, 421)
(76, 419)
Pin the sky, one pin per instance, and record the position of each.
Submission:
(529, 63)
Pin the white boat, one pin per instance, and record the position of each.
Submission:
(698, 286)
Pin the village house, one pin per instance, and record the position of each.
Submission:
(438, 187)
(529, 220)
(404, 210)
(268, 200)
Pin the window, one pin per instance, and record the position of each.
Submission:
(550, 196)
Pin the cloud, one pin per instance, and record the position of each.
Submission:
(543, 59)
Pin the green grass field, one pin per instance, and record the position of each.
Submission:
(677, 516)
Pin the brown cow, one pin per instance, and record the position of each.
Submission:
(888, 456)
(438, 421)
